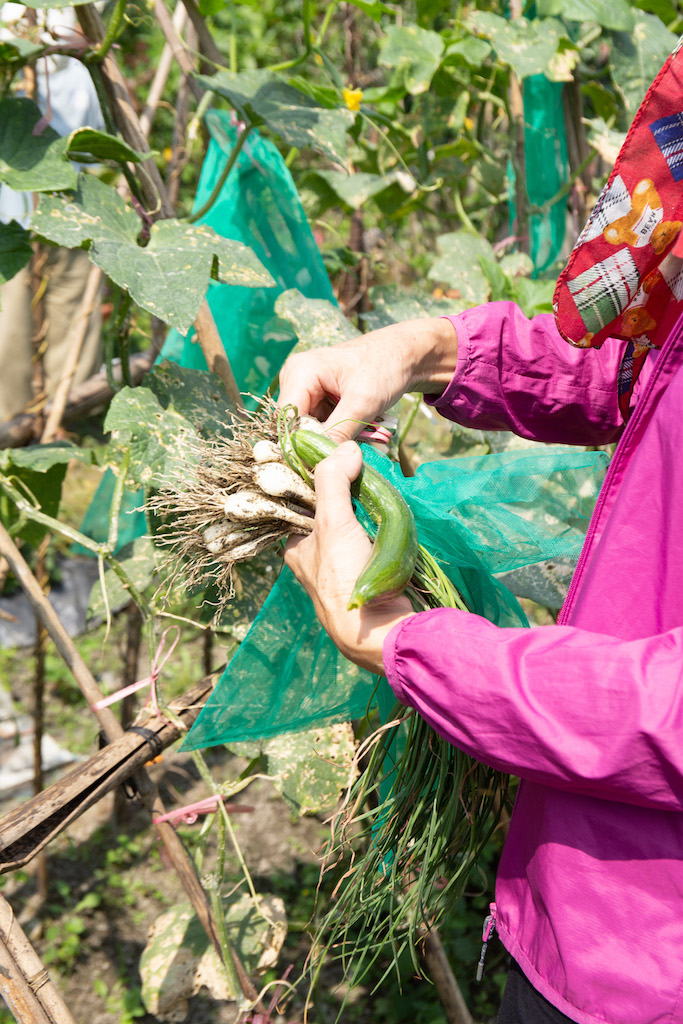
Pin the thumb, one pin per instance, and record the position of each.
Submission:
(333, 479)
(349, 416)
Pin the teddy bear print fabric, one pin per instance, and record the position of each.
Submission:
(624, 278)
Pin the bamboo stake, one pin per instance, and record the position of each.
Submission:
(519, 161)
(110, 725)
(32, 969)
(444, 980)
(79, 329)
(185, 62)
(17, 992)
(161, 75)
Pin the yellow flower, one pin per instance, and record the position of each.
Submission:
(167, 153)
(352, 98)
(469, 124)
(318, 60)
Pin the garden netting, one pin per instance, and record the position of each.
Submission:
(480, 517)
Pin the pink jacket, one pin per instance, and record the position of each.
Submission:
(589, 713)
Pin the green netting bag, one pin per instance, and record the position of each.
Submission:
(478, 516)
(258, 205)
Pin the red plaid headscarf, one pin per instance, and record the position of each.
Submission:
(624, 278)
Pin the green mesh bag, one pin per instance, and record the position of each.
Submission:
(478, 516)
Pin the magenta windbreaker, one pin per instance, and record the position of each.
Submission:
(589, 713)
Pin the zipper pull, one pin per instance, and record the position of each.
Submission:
(486, 933)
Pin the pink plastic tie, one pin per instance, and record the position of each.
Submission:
(191, 812)
(150, 680)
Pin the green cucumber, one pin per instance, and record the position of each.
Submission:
(394, 551)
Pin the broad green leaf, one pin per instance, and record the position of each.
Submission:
(14, 53)
(458, 268)
(526, 46)
(373, 8)
(615, 15)
(534, 296)
(312, 768)
(209, 7)
(139, 561)
(309, 768)
(637, 57)
(169, 276)
(40, 458)
(666, 10)
(158, 438)
(262, 97)
(393, 303)
(315, 322)
(15, 249)
(416, 53)
(38, 472)
(43, 489)
(101, 146)
(179, 958)
(196, 395)
(34, 163)
(605, 141)
(356, 189)
(471, 49)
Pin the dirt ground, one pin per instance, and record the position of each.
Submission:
(109, 863)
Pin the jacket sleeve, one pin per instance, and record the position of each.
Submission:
(521, 375)
(559, 705)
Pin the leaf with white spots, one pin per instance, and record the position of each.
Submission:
(415, 52)
(315, 322)
(528, 47)
(458, 267)
(262, 97)
(157, 438)
(170, 274)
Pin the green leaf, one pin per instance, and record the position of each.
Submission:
(315, 322)
(179, 958)
(416, 53)
(38, 472)
(41, 458)
(393, 303)
(311, 768)
(472, 50)
(169, 276)
(636, 58)
(158, 438)
(15, 249)
(197, 396)
(209, 7)
(34, 163)
(526, 46)
(534, 296)
(14, 53)
(615, 15)
(139, 561)
(356, 189)
(262, 97)
(458, 266)
(101, 146)
(373, 8)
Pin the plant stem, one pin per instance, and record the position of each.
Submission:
(113, 29)
(218, 187)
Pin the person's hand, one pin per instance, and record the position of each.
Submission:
(346, 386)
(329, 560)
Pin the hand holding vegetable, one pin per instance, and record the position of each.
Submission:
(328, 562)
(348, 385)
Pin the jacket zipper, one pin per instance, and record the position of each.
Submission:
(486, 933)
(617, 459)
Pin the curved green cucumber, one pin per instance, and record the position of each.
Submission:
(394, 551)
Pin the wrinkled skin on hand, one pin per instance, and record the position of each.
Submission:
(346, 386)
